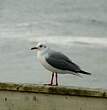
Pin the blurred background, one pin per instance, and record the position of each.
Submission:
(78, 28)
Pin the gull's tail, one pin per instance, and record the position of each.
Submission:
(84, 72)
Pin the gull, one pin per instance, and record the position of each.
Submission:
(56, 62)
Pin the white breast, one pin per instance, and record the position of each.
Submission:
(43, 61)
(42, 55)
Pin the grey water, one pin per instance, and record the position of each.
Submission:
(77, 28)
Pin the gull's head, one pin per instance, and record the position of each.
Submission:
(39, 46)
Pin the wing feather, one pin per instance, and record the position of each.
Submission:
(60, 61)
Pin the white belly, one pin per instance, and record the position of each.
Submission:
(41, 56)
(48, 66)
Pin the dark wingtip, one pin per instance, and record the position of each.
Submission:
(84, 72)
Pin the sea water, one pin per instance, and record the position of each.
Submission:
(78, 28)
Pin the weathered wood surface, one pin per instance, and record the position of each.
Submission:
(42, 97)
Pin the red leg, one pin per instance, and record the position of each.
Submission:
(52, 79)
(56, 79)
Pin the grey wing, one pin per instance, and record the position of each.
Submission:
(60, 61)
(59, 55)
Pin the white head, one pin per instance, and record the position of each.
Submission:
(40, 46)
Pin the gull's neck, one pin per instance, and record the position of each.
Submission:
(43, 52)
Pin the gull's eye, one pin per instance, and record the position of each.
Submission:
(41, 46)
